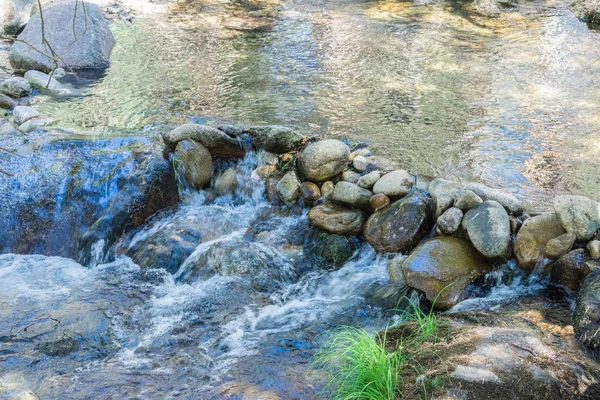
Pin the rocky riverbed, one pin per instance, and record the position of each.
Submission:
(211, 259)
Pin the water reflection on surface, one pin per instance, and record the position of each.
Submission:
(512, 101)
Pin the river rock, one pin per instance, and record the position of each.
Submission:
(593, 247)
(15, 87)
(86, 44)
(24, 113)
(394, 268)
(7, 102)
(449, 222)
(559, 246)
(327, 189)
(395, 184)
(337, 219)
(467, 199)
(46, 83)
(217, 142)
(263, 266)
(443, 193)
(578, 214)
(367, 181)
(289, 188)
(443, 267)
(227, 182)
(323, 160)
(266, 171)
(533, 237)
(507, 200)
(351, 195)
(350, 176)
(488, 228)
(570, 269)
(360, 163)
(586, 10)
(277, 139)
(193, 163)
(67, 203)
(402, 225)
(379, 201)
(286, 158)
(586, 319)
(310, 192)
(34, 124)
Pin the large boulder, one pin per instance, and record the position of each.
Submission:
(193, 163)
(443, 267)
(276, 139)
(337, 219)
(533, 237)
(323, 160)
(263, 266)
(586, 319)
(513, 205)
(77, 33)
(578, 214)
(587, 10)
(217, 142)
(395, 184)
(72, 197)
(488, 228)
(350, 194)
(571, 269)
(402, 225)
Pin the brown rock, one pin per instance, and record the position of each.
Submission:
(559, 246)
(286, 157)
(266, 171)
(570, 269)
(310, 192)
(337, 219)
(533, 236)
(379, 201)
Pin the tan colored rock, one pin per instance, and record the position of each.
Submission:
(266, 170)
(379, 201)
(559, 246)
(337, 219)
(327, 189)
(533, 237)
(593, 248)
(310, 192)
(193, 163)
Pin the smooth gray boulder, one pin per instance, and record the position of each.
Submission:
(443, 193)
(46, 83)
(217, 142)
(578, 214)
(79, 37)
(395, 184)
(449, 222)
(193, 163)
(276, 139)
(513, 205)
(24, 113)
(15, 87)
(488, 228)
(351, 195)
(323, 160)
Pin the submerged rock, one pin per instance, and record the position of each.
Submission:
(227, 182)
(277, 139)
(335, 250)
(513, 205)
(337, 219)
(193, 163)
(395, 184)
(488, 228)
(217, 142)
(323, 160)
(263, 266)
(402, 225)
(443, 267)
(533, 237)
(85, 44)
(351, 195)
(579, 215)
(586, 319)
(68, 197)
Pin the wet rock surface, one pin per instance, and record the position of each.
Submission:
(193, 163)
(337, 219)
(488, 228)
(533, 237)
(402, 225)
(586, 320)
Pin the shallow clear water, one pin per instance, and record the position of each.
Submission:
(512, 101)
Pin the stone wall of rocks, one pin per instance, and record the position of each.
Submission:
(441, 236)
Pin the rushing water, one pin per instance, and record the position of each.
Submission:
(512, 101)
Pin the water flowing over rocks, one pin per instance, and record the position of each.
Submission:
(217, 142)
(533, 237)
(323, 160)
(572, 268)
(87, 43)
(488, 228)
(402, 225)
(442, 268)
